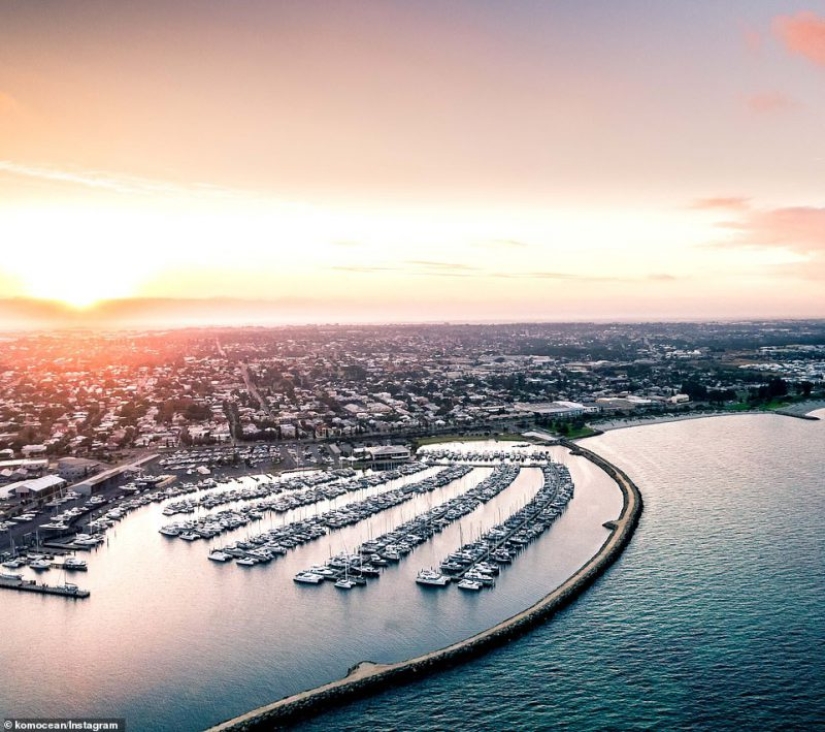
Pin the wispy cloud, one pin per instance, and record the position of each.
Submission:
(452, 269)
(441, 267)
(414, 267)
(772, 101)
(135, 185)
(91, 179)
(560, 276)
(802, 34)
(730, 203)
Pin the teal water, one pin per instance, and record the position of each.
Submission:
(713, 618)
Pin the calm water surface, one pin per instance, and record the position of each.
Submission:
(172, 641)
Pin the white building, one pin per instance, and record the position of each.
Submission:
(383, 456)
(37, 488)
(558, 410)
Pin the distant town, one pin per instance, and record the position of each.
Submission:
(74, 404)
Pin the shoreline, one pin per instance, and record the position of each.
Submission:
(368, 678)
(801, 410)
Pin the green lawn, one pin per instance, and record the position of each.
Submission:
(581, 432)
(738, 407)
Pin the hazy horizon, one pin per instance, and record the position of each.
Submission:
(28, 314)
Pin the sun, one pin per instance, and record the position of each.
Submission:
(76, 293)
(77, 258)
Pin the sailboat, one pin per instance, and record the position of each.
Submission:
(14, 562)
(345, 583)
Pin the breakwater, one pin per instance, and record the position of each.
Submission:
(369, 678)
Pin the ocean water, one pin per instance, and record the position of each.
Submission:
(712, 619)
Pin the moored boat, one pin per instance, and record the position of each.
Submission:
(432, 578)
(309, 578)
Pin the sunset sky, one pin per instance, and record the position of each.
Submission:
(471, 160)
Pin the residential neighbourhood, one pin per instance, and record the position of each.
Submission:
(74, 403)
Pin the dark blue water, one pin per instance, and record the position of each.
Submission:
(713, 619)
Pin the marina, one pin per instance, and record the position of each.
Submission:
(477, 564)
(391, 547)
(279, 598)
(264, 547)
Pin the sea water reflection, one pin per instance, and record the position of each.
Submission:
(173, 641)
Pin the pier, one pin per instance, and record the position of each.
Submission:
(67, 590)
(369, 678)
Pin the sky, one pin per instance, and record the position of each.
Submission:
(416, 161)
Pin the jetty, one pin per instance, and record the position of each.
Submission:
(66, 590)
(369, 678)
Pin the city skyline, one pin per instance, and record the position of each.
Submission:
(362, 162)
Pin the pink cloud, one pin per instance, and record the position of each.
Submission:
(767, 102)
(800, 229)
(731, 203)
(803, 34)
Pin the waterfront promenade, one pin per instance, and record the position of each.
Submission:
(369, 678)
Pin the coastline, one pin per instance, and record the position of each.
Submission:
(367, 678)
(802, 410)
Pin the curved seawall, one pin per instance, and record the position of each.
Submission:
(368, 678)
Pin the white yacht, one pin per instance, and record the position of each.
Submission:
(468, 584)
(218, 556)
(310, 578)
(55, 526)
(431, 578)
(87, 541)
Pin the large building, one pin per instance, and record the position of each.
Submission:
(554, 410)
(35, 489)
(383, 456)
